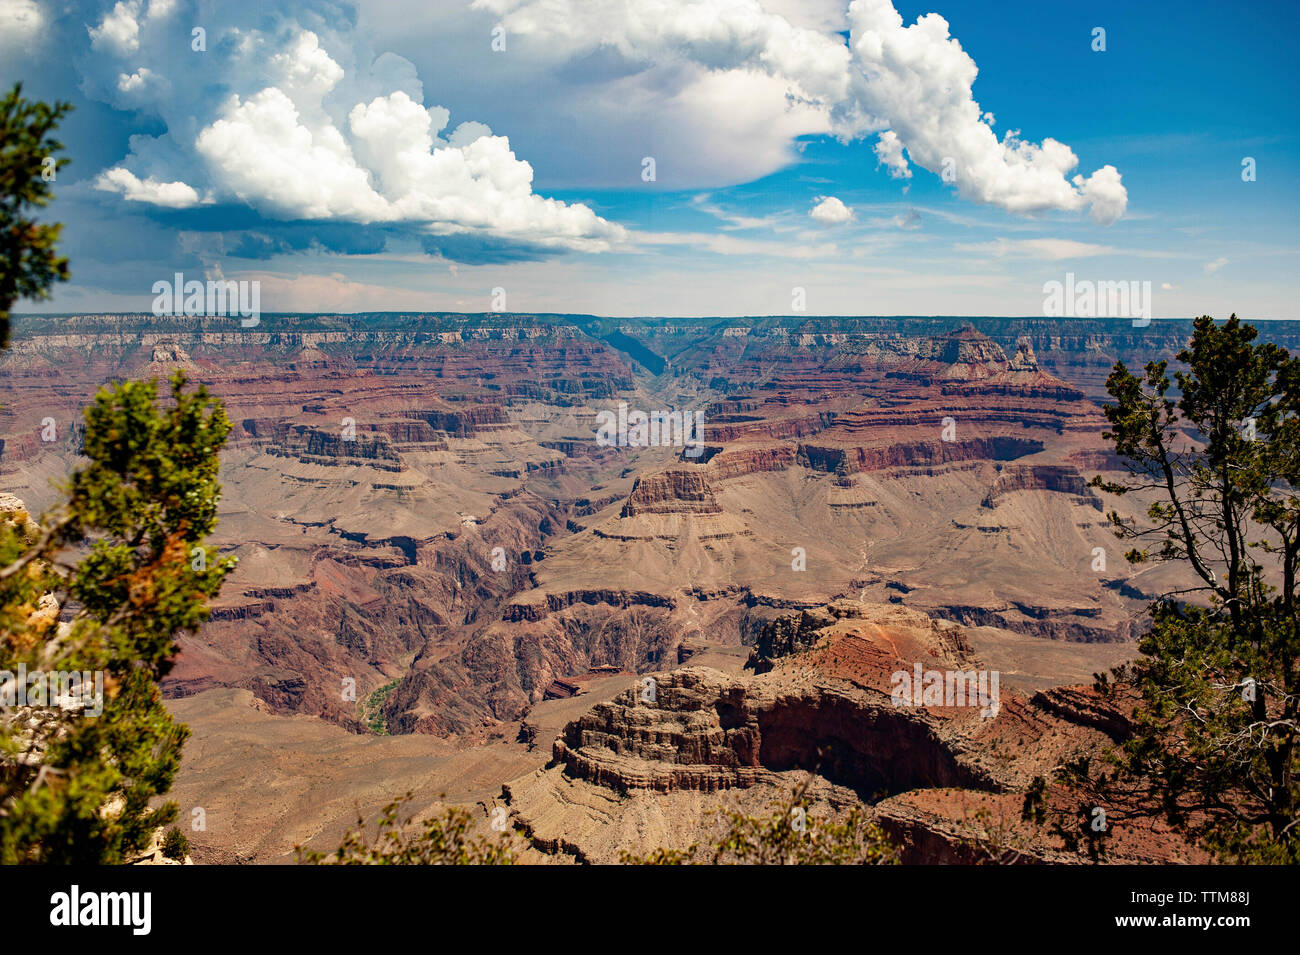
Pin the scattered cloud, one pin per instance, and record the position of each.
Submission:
(889, 150)
(720, 91)
(170, 195)
(919, 80)
(731, 220)
(21, 22)
(732, 62)
(119, 31)
(830, 211)
(304, 133)
(1050, 249)
(731, 245)
(912, 220)
(1212, 267)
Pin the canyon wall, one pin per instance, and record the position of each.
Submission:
(430, 535)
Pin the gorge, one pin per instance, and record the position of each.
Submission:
(423, 509)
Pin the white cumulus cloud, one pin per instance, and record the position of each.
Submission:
(260, 152)
(170, 195)
(306, 123)
(305, 137)
(830, 211)
(119, 31)
(918, 79)
(721, 89)
(889, 150)
(135, 82)
(716, 34)
(912, 84)
(21, 22)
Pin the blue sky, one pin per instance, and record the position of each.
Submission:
(385, 156)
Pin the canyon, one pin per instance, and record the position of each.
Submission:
(447, 583)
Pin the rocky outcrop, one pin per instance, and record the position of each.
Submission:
(913, 454)
(1085, 707)
(695, 729)
(774, 425)
(168, 357)
(533, 609)
(946, 783)
(1072, 621)
(1058, 478)
(676, 491)
(724, 465)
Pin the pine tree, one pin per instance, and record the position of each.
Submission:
(104, 585)
(1217, 685)
(29, 261)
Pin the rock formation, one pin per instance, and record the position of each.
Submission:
(822, 707)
